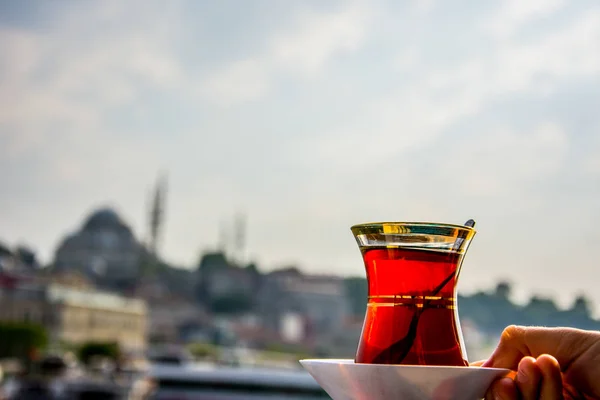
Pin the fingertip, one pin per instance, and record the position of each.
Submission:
(552, 385)
(527, 368)
(510, 349)
(527, 359)
(548, 362)
(528, 378)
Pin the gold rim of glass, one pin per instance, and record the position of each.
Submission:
(375, 225)
(424, 235)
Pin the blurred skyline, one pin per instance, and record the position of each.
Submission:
(309, 117)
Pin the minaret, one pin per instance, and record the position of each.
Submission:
(157, 214)
(223, 243)
(239, 238)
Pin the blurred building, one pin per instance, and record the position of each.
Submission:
(218, 278)
(172, 320)
(19, 259)
(104, 249)
(7, 258)
(82, 316)
(168, 310)
(304, 307)
(73, 279)
(74, 315)
(23, 300)
(344, 342)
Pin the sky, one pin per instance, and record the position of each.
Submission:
(308, 117)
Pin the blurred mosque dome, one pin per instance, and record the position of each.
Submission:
(104, 219)
(104, 249)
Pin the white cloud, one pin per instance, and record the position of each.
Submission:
(303, 49)
(444, 96)
(419, 113)
(518, 67)
(504, 160)
(514, 14)
(21, 55)
(423, 6)
(319, 37)
(592, 164)
(408, 60)
(57, 79)
(238, 82)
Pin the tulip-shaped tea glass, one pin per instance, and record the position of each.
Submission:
(412, 271)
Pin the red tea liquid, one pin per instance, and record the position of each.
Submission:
(411, 313)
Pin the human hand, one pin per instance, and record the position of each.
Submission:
(549, 364)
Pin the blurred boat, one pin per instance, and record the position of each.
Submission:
(206, 381)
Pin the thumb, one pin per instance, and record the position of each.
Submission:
(516, 342)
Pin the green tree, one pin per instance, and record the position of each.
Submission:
(541, 311)
(19, 339)
(98, 349)
(503, 290)
(582, 306)
(232, 303)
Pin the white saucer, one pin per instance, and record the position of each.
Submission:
(345, 380)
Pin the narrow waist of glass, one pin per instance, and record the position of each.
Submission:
(412, 301)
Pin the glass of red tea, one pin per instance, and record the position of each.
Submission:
(412, 270)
